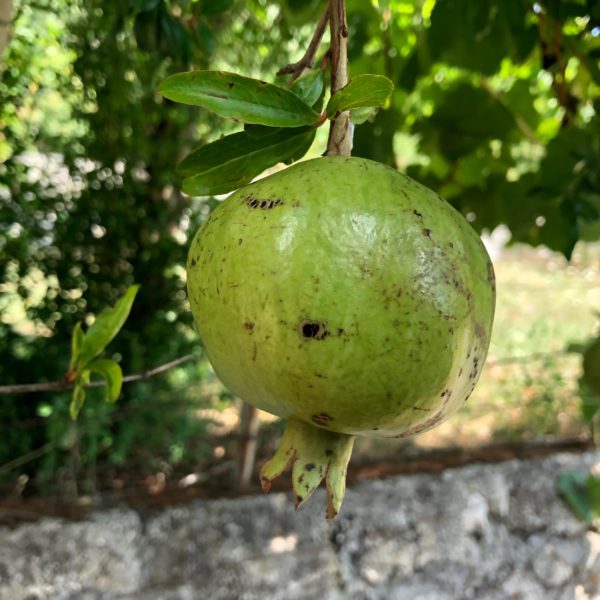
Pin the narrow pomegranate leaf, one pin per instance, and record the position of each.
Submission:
(361, 91)
(111, 372)
(241, 98)
(309, 87)
(105, 328)
(233, 161)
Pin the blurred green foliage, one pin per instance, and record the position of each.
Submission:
(495, 107)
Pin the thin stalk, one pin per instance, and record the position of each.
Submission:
(306, 62)
(340, 138)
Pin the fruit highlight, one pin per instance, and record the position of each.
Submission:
(348, 299)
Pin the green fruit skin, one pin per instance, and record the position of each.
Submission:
(343, 293)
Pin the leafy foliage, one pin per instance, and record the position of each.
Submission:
(86, 347)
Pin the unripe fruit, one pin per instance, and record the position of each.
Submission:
(346, 297)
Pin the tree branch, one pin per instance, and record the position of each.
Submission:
(6, 9)
(61, 386)
(340, 138)
(306, 61)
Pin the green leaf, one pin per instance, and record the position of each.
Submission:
(241, 98)
(204, 37)
(593, 493)
(259, 131)
(78, 397)
(361, 91)
(111, 372)
(176, 36)
(309, 87)
(572, 486)
(77, 401)
(233, 161)
(76, 345)
(105, 327)
(359, 115)
(590, 405)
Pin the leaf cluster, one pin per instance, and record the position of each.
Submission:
(86, 347)
(280, 123)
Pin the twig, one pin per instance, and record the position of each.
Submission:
(22, 460)
(157, 370)
(61, 386)
(306, 61)
(247, 444)
(520, 122)
(340, 139)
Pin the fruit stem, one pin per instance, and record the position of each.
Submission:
(314, 454)
(340, 138)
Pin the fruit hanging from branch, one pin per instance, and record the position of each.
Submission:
(338, 294)
(347, 298)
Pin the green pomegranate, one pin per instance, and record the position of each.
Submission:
(347, 298)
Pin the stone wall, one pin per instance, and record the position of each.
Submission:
(481, 532)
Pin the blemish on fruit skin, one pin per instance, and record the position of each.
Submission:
(480, 332)
(249, 325)
(309, 466)
(265, 203)
(193, 262)
(491, 276)
(316, 330)
(322, 419)
(328, 452)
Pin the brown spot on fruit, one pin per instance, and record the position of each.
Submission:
(264, 204)
(249, 325)
(316, 330)
(491, 277)
(322, 419)
(309, 466)
(480, 332)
